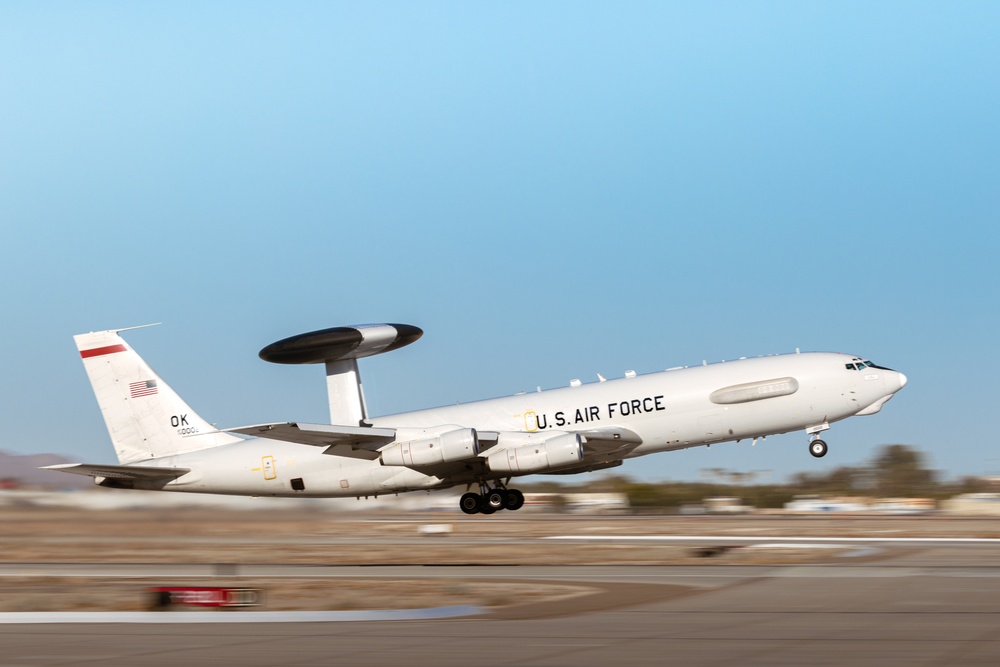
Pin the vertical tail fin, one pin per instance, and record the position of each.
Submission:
(145, 417)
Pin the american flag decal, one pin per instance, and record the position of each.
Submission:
(144, 388)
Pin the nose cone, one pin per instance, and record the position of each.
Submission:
(901, 379)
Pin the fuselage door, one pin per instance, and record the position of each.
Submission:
(268, 463)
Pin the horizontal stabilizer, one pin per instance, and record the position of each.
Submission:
(351, 441)
(119, 472)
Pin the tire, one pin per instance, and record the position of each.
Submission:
(470, 503)
(818, 448)
(514, 500)
(495, 499)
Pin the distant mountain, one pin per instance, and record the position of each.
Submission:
(23, 469)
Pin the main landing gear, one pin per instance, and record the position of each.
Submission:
(491, 500)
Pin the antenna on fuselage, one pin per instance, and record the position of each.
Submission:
(339, 349)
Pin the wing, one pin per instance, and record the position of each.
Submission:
(133, 473)
(602, 447)
(350, 441)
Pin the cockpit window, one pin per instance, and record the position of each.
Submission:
(861, 365)
(851, 367)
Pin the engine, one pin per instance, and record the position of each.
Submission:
(555, 452)
(416, 451)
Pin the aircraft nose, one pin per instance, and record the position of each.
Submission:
(902, 380)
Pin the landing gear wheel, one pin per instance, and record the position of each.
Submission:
(486, 509)
(514, 500)
(818, 448)
(470, 503)
(496, 499)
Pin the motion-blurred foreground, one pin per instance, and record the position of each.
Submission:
(84, 559)
(103, 549)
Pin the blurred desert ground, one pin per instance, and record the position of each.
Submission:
(50, 521)
(127, 528)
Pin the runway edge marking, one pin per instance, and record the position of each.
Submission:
(158, 617)
(783, 538)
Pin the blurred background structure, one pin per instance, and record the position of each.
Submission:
(896, 480)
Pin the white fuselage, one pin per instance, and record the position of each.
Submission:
(670, 410)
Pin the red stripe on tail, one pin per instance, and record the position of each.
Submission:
(100, 351)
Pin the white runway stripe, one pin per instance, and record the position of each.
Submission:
(783, 538)
(232, 616)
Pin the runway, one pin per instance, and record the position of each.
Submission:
(901, 610)
(628, 591)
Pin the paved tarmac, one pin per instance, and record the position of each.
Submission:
(868, 591)
(908, 606)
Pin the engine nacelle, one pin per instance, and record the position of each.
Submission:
(457, 445)
(554, 452)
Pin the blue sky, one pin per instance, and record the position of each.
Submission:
(550, 190)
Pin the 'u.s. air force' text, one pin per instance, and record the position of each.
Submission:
(594, 413)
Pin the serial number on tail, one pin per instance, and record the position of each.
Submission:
(180, 422)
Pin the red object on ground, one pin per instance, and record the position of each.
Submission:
(205, 596)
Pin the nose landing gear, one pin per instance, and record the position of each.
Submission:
(817, 447)
(490, 500)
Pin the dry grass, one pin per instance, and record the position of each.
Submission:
(25, 594)
(33, 535)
